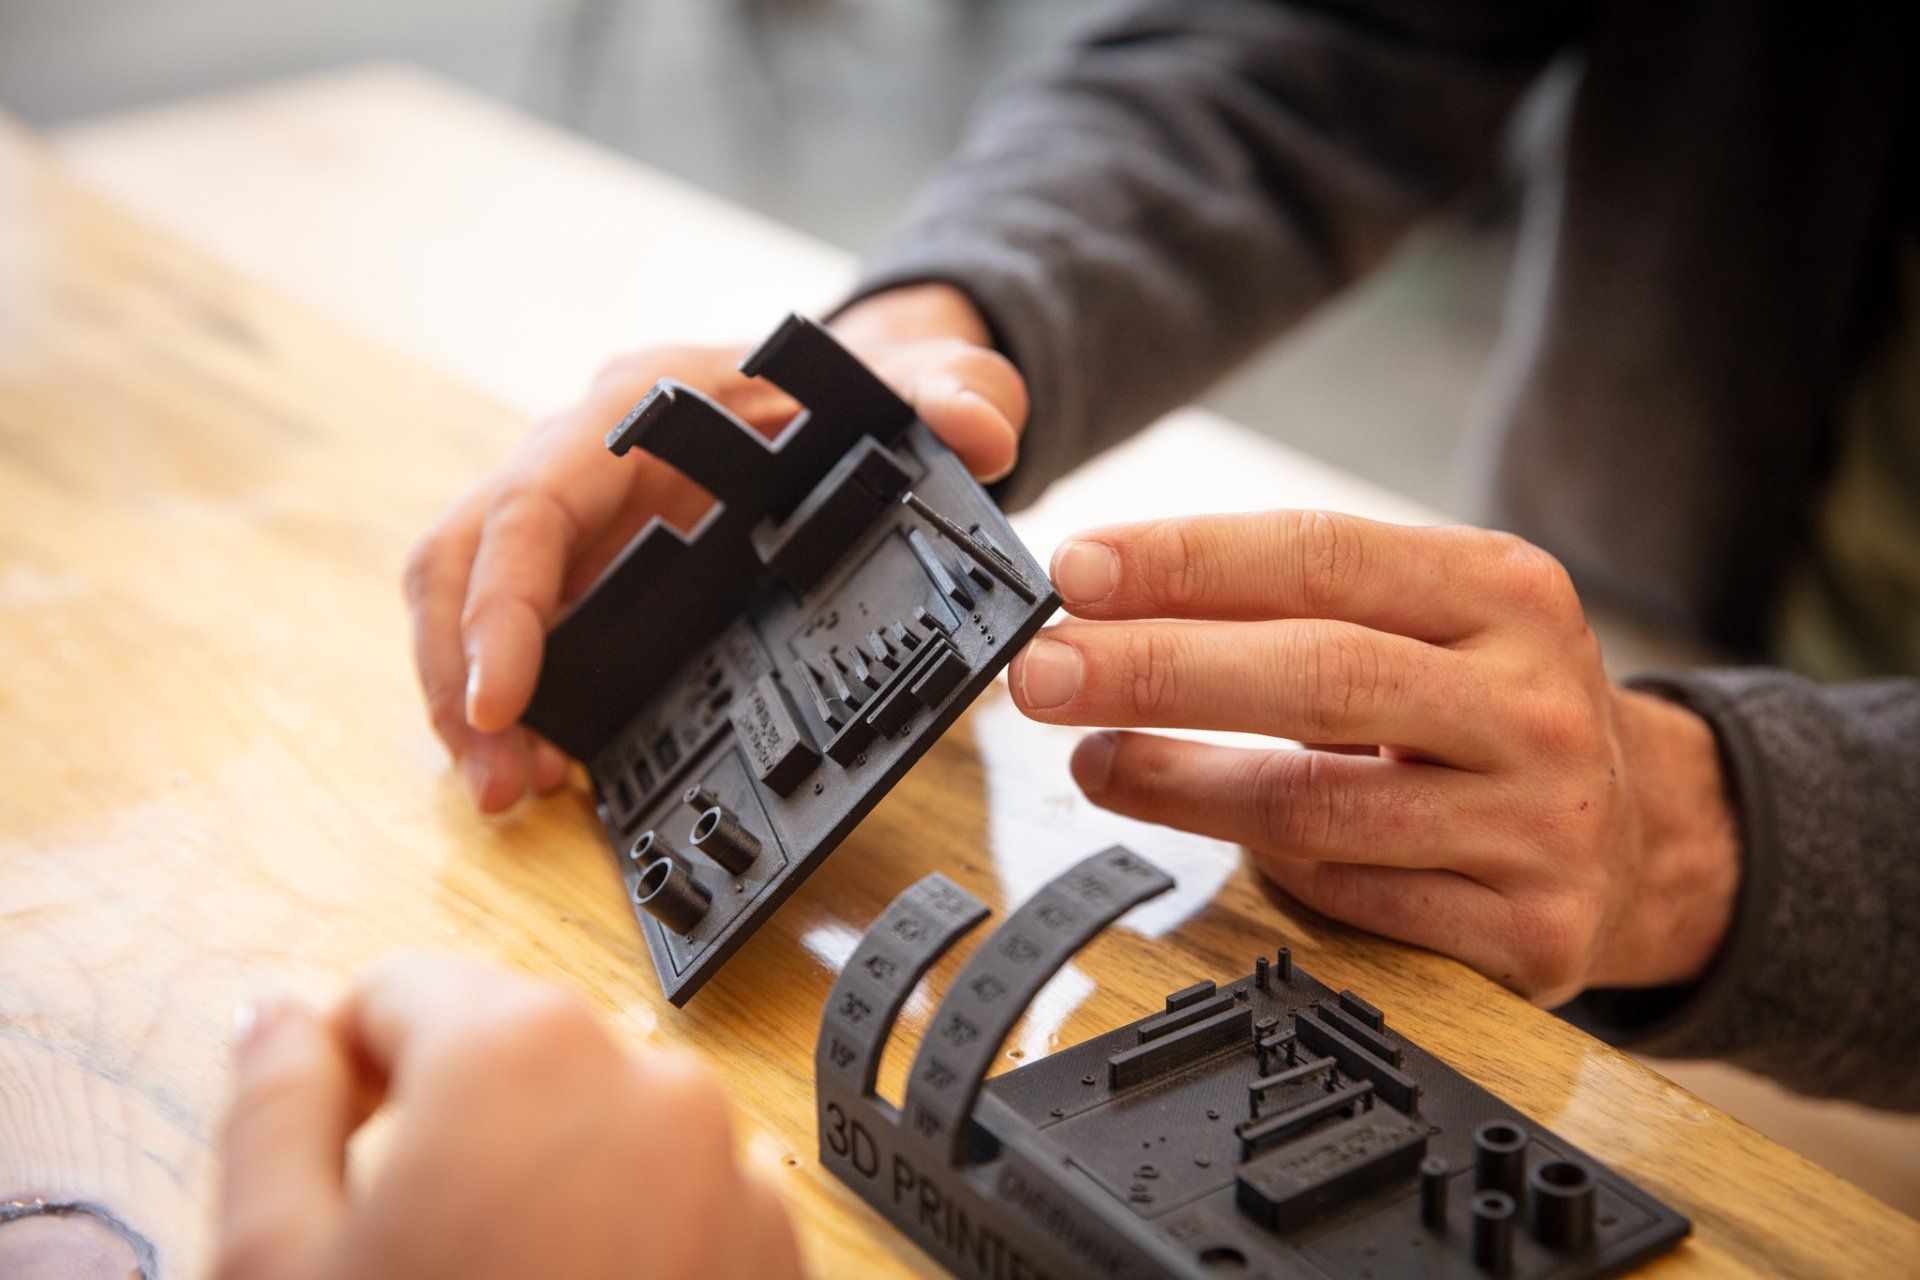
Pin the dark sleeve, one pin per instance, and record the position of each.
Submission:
(1192, 176)
(1818, 983)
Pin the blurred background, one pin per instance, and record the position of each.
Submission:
(822, 114)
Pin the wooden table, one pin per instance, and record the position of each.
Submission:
(216, 780)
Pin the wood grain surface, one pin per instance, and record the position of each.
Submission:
(215, 781)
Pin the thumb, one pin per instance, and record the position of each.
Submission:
(976, 402)
(294, 1105)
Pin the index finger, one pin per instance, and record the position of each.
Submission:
(1280, 564)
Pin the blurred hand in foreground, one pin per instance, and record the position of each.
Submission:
(525, 1143)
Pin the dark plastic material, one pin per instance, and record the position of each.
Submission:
(1271, 1127)
(747, 692)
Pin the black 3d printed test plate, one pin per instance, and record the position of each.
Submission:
(1270, 1127)
(745, 694)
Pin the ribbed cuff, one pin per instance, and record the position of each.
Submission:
(1688, 1020)
(1814, 985)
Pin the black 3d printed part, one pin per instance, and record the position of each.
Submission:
(1271, 1127)
(744, 694)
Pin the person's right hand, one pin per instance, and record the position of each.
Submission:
(488, 581)
(526, 1143)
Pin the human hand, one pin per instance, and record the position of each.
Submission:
(1473, 782)
(526, 1143)
(493, 575)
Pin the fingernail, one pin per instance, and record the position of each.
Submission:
(1049, 674)
(1085, 572)
(473, 772)
(473, 684)
(937, 385)
(1093, 762)
(993, 475)
(254, 1020)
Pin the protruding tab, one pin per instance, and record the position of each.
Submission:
(1397, 1088)
(1176, 1049)
(1435, 1176)
(943, 580)
(1258, 1090)
(775, 740)
(809, 364)
(1281, 1125)
(988, 557)
(1358, 1032)
(1303, 1162)
(714, 449)
(1185, 1016)
(1201, 990)
(1371, 1017)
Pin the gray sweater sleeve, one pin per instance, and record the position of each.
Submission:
(1194, 175)
(1818, 984)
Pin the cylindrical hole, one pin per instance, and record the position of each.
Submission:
(1563, 1173)
(1493, 1232)
(1223, 1257)
(1560, 1203)
(654, 878)
(719, 835)
(642, 851)
(1500, 1158)
(668, 892)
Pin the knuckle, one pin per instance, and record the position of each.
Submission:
(1297, 810)
(1561, 724)
(1341, 680)
(1152, 685)
(1176, 566)
(1328, 555)
(1554, 935)
(1534, 581)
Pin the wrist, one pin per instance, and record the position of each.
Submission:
(1682, 899)
(912, 313)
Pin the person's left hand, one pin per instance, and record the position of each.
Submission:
(1473, 783)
